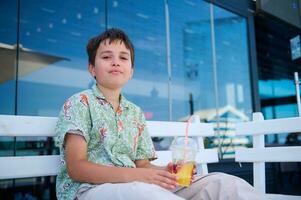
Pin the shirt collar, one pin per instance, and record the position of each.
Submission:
(124, 103)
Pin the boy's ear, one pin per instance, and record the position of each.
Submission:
(91, 69)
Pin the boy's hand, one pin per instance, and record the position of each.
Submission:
(159, 177)
(170, 167)
(173, 168)
(194, 172)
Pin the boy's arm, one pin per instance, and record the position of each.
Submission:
(82, 170)
(169, 167)
(147, 164)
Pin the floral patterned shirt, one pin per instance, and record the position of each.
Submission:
(113, 138)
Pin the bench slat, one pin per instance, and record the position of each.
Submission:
(281, 197)
(35, 166)
(260, 154)
(270, 154)
(165, 129)
(204, 156)
(44, 126)
(285, 125)
(47, 165)
(16, 125)
(28, 166)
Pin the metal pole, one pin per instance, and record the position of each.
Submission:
(168, 58)
(297, 83)
(214, 67)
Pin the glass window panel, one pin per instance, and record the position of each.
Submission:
(52, 66)
(193, 70)
(144, 22)
(192, 74)
(8, 50)
(233, 77)
(276, 88)
(191, 60)
(278, 101)
(53, 61)
(280, 111)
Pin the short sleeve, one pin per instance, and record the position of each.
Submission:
(75, 118)
(145, 148)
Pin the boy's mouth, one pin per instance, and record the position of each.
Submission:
(114, 71)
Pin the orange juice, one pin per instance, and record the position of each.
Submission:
(184, 150)
(184, 174)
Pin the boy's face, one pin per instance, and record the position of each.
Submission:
(113, 65)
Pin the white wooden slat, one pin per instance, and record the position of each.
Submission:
(269, 154)
(258, 167)
(33, 126)
(28, 166)
(207, 156)
(285, 125)
(169, 129)
(202, 167)
(47, 165)
(259, 176)
(164, 157)
(203, 156)
(260, 154)
(16, 125)
(281, 197)
(44, 126)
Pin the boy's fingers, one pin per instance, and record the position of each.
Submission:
(168, 175)
(170, 167)
(194, 171)
(166, 180)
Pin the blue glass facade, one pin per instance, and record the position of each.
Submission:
(191, 57)
(52, 63)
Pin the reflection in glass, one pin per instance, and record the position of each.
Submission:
(52, 65)
(191, 69)
(195, 77)
(278, 100)
(233, 78)
(55, 65)
(8, 24)
(144, 22)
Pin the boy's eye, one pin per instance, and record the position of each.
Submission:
(124, 58)
(105, 57)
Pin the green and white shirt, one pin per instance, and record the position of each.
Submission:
(113, 138)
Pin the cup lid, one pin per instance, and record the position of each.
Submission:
(181, 143)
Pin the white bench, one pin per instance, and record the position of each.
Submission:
(47, 165)
(260, 154)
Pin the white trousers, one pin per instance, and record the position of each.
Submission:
(214, 186)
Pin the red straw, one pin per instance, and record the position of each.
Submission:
(186, 135)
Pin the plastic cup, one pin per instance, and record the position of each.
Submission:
(183, 159)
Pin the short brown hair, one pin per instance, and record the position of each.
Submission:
(112, 34)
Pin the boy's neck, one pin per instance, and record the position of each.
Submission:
(112, 96)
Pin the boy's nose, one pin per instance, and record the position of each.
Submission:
(115, 62)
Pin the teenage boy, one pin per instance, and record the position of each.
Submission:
(105, 146)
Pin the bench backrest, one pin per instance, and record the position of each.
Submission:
(47, 165)
(260, 154)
